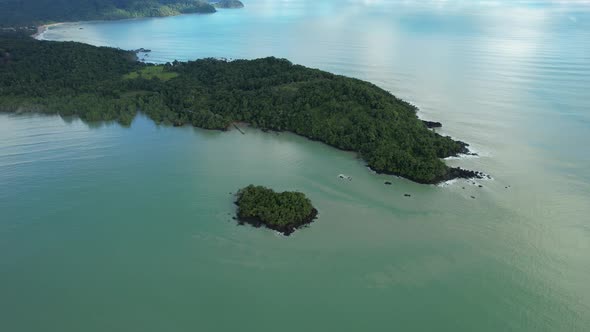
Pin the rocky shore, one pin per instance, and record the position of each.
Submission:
(228, 4)
(286, 230)
(432, 124)
(454, 173)
(461, 173)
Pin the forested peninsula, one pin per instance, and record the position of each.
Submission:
(283, 212)
(34, 12)
(107, 84)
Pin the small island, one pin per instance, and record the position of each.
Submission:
(283, 212)
(228, 4)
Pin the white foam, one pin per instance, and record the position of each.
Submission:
(463, 156)
(41, 30)
(473, 154)
(447, 183)
(41, 35)
(469, 181)
(371, 170)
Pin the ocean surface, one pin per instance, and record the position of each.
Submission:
(105, 228)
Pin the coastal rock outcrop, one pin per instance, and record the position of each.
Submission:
(461, 173)
(432, 124)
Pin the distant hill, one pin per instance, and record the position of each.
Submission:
(228, 4)
(33, 12)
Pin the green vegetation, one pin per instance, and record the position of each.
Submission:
(27, 12)
(228, 4)
(283, 212)
(151, 72)
(98, 83)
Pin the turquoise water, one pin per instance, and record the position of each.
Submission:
(105, 228)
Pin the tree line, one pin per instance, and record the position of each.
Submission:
(283, 211)
(30, 12)
(95, 83)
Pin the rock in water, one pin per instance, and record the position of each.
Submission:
(283, 212)
(432, 124)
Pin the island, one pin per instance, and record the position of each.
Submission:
(283, 212)
(228, 4)
(108, 84)
(35, 12)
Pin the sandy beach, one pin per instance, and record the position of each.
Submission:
(42, 29)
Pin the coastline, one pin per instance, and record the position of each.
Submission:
(285, 230)
(42, 29)
(453, 174)
(441, 174)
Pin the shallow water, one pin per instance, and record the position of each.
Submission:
(110, 228)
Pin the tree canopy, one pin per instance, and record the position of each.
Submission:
(282, 212)
(99, 83)
(23, 12)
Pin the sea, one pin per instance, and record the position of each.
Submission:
(107, 228)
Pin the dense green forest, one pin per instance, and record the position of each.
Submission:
(98, 83)
(30, 12)
(283, 212)
(228, 4)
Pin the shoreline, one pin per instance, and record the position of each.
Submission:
(285, 230)
(443, 172)
(453, 174)
(42, 29)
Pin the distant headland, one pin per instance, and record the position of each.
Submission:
(228, 4)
